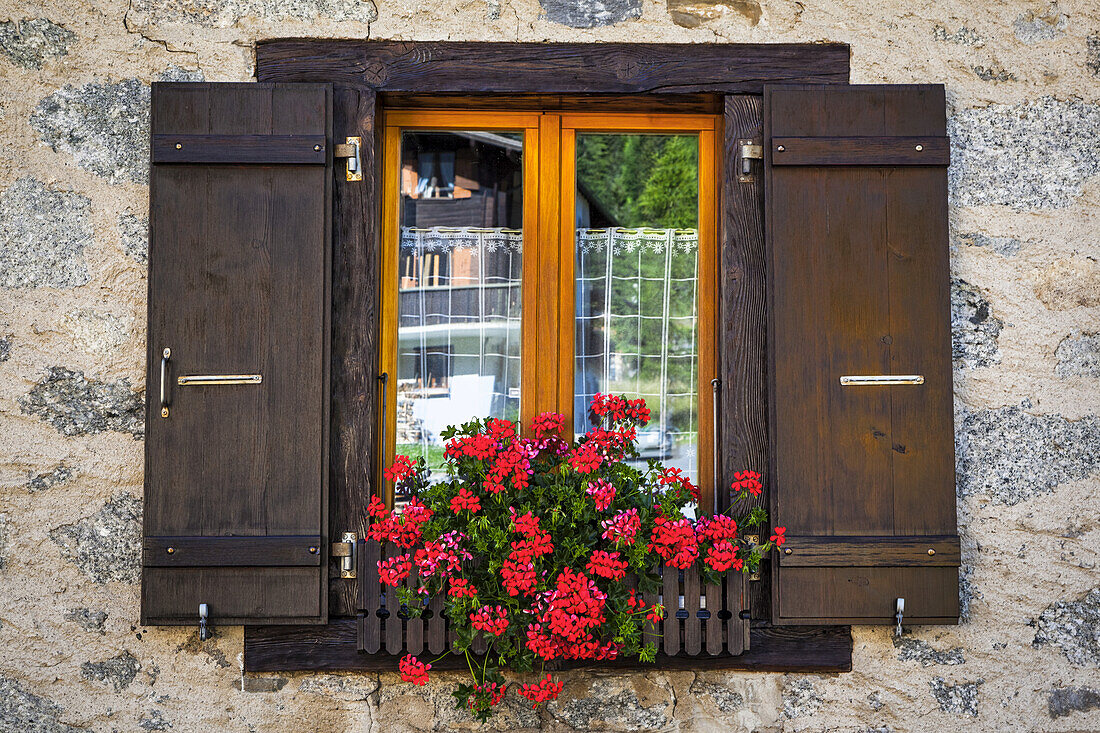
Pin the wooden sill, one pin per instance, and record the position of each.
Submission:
(332, 648)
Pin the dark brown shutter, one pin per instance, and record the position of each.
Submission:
(235, 482)
(863, 476)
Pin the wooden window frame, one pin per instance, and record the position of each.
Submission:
(368, 76)
(548, 292)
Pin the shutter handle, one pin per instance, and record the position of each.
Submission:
(165, 356)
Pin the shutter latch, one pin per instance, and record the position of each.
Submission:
(345, 550)
(350, 151)
(899, 615)
(748, 151)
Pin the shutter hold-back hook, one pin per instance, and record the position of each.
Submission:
(900, 612)
(204, 630)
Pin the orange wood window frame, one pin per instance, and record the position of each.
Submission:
(549, 200)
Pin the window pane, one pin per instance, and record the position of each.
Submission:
(459, 268)
(636, 284)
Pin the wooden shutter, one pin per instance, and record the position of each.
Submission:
(863, 475)
(235, 482)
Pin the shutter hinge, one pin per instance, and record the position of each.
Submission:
(748, 151)
(350, 151)
(345, 550)
(752, 540)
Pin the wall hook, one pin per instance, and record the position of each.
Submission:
(900, 612)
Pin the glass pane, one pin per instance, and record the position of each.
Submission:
(459, 268)
(636, 284)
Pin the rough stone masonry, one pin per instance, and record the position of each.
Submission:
(1023, 82)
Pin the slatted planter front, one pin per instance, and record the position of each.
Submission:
(701, 620)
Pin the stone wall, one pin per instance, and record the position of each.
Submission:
(1023, 80)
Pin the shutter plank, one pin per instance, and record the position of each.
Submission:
(238, 285)
(858, 284)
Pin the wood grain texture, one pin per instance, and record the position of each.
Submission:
(858, 284)
(871, 551)
(331, 648)
(238, 263)
(354, 334)
(702, 103)
(743, 335)
(878, 151)
(168, 552)
(240, 149)
(440, 67)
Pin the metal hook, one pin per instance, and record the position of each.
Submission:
(204, 631)
(900, 607)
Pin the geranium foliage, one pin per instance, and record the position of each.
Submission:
(530, 540)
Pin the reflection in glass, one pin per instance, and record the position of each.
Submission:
(459, 268)
(636, 284)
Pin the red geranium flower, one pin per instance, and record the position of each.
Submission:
(778, 537)
(607, 565)
(747, 481)
(413, 670)
(543, 690)
(491, 619)
(401, 469)
(465, 500)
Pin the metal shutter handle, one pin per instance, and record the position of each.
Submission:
(164, 357)
(881, 379)
(213, 380)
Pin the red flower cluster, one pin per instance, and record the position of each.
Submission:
(512, 462)
(541, 691)
(607, 565)
(394, 570)
(674, 541)
(462, 588)
(445, 553)
(491, 619)
(610, 444)
(466, 499)
(401, 529)
(716, 528)
(747, 481)
(401, 469)
(623, 527)
(500, 430)
(674, 477)
(478, 445)
(413, 670)
(722, 556)
(620, 409)
(585, 458)
(602, 492)
(778, 538)
(518, 571)
(547, 424)
(565, 618)
(524, 596)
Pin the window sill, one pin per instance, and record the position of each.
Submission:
(332, 648)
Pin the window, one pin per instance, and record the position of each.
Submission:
(533, 260)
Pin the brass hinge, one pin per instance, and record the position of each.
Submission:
(350, 151)
(752, 540)
(345, 550)
(748, 151)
